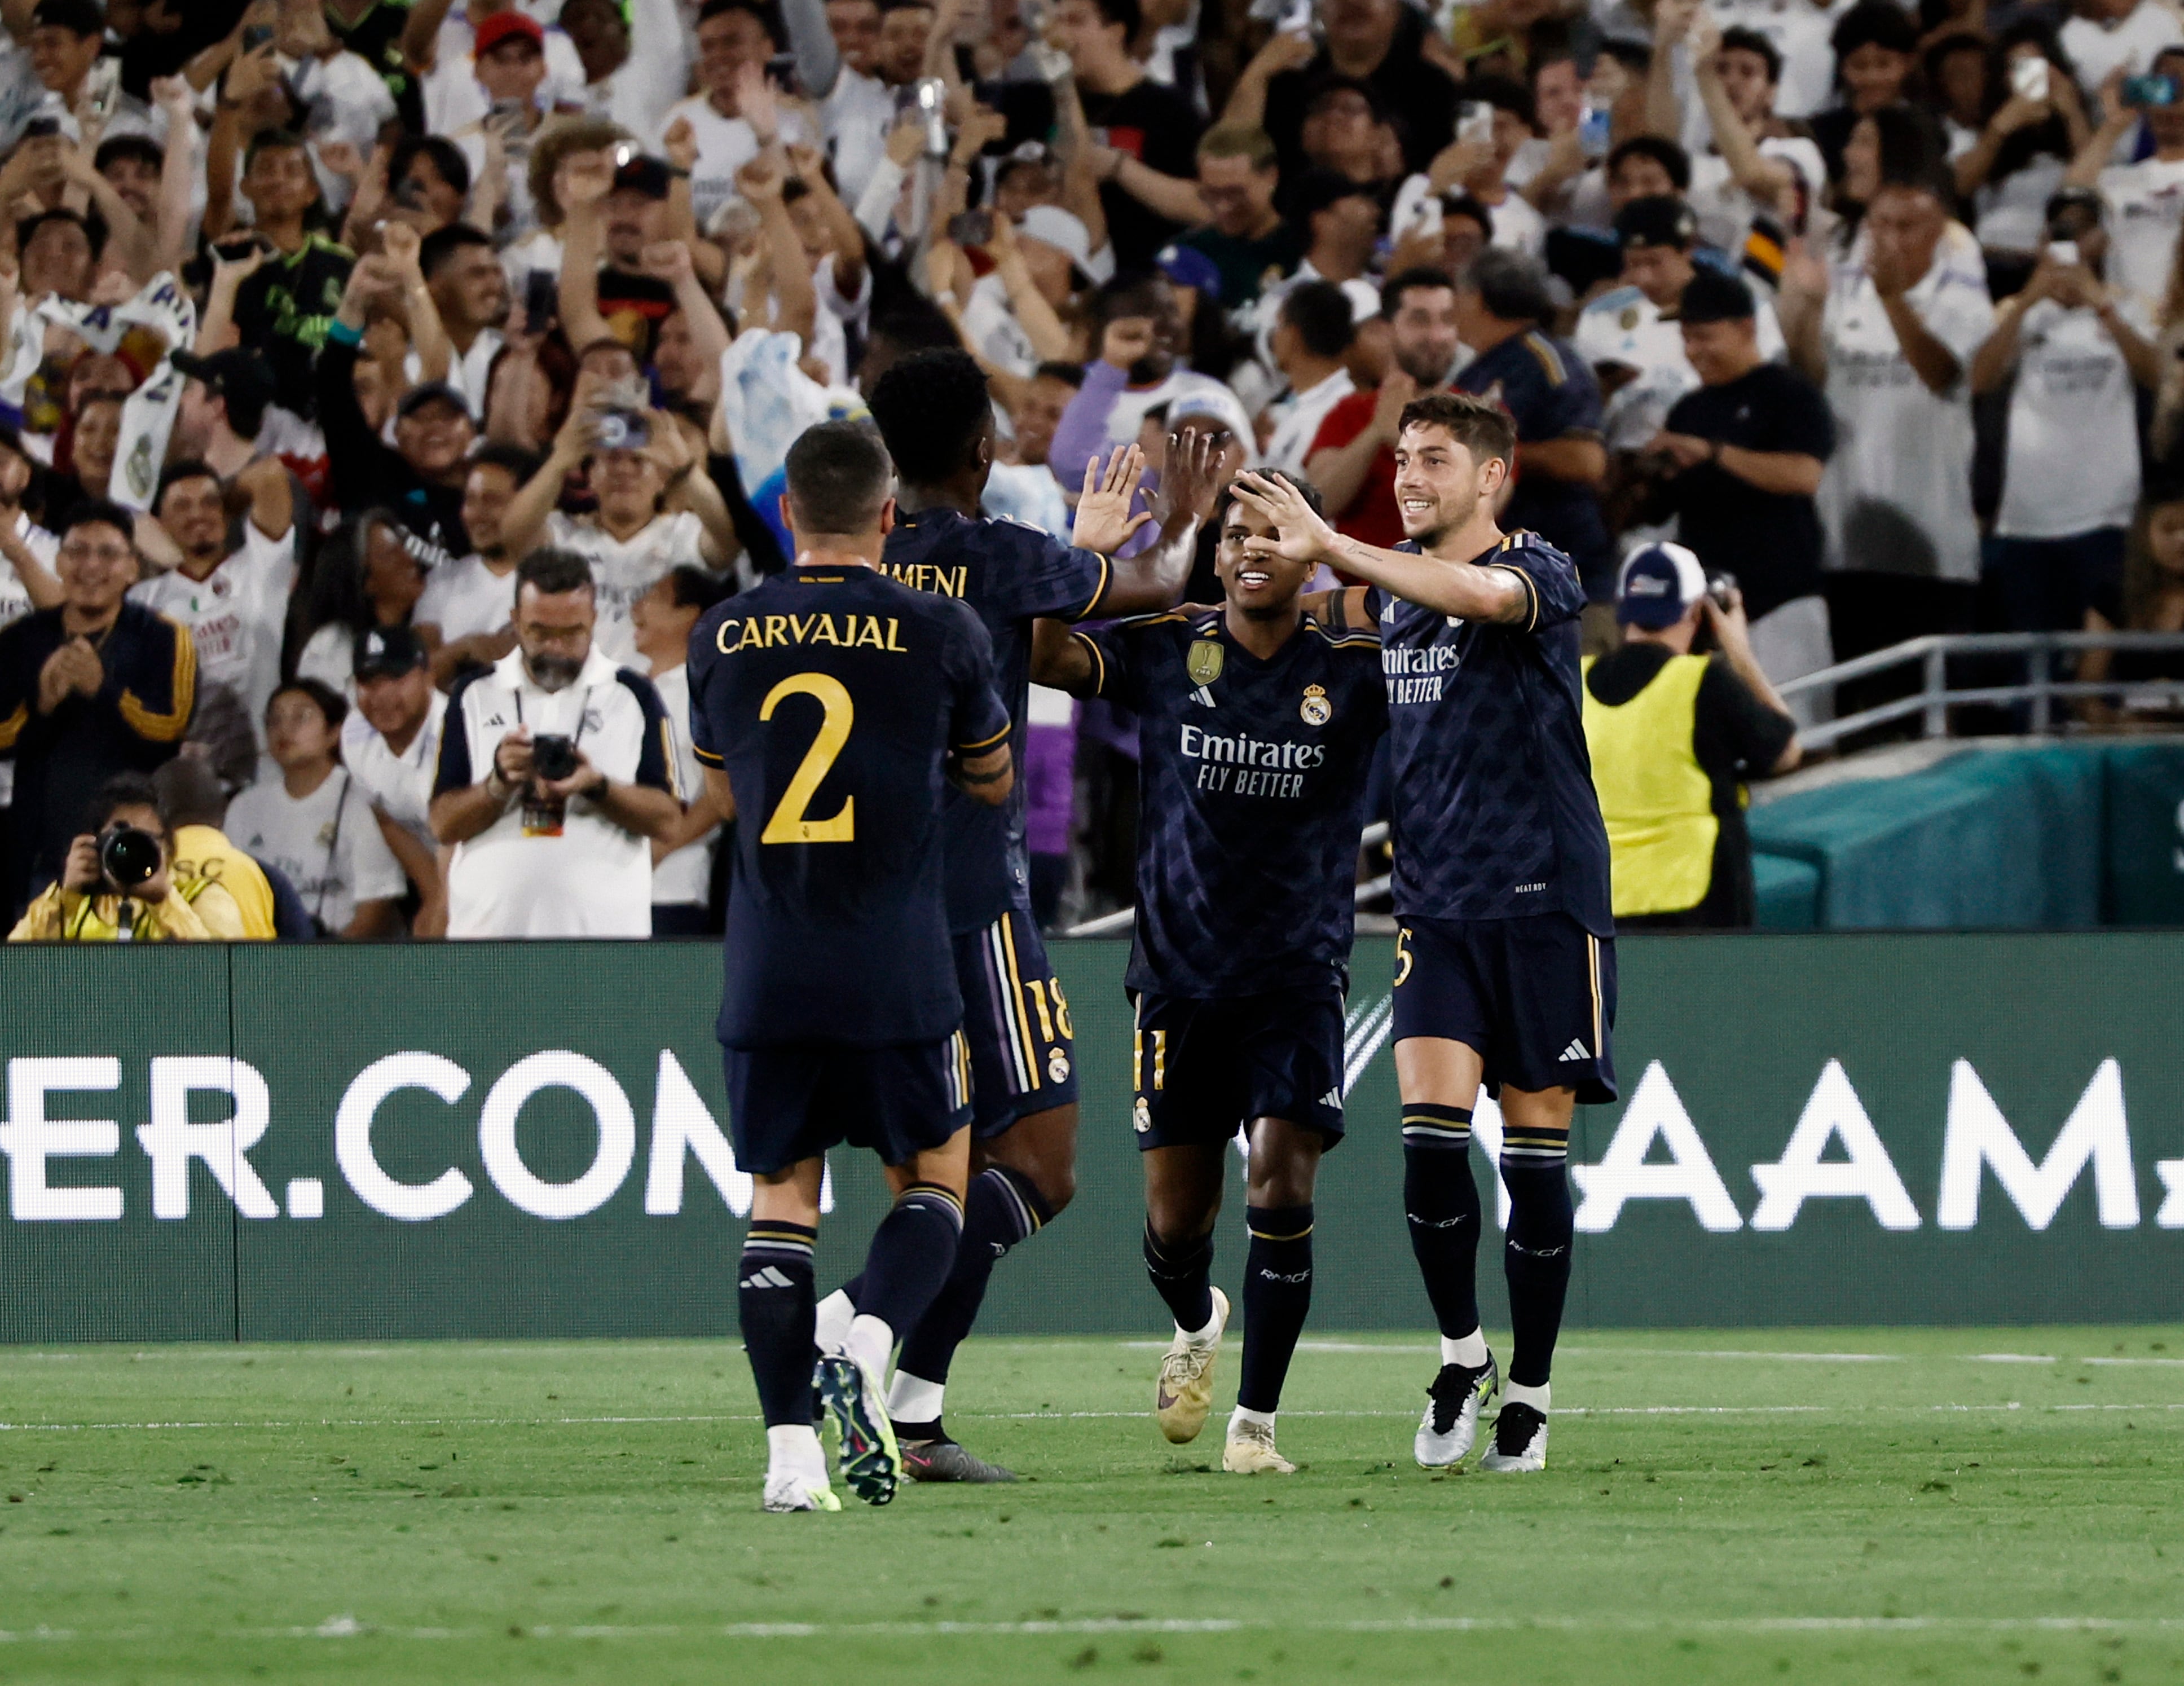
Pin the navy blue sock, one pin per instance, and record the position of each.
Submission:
(1182, 1273)
(1536, 1255)
(1001, 1209)
(1276, 1294)
(774, 1305)
(910, 1256)
(1441, 1202)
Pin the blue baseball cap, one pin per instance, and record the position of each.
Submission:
(1657, 586)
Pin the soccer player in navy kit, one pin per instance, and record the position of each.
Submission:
(936, 416)
(1255, 728)
(831, 708)
(1505, 967)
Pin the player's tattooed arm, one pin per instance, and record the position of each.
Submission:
(986, 776)
(1063, 659)
(1461, 589)
(1339, 610)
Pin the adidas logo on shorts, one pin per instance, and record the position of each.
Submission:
(1576, 1051)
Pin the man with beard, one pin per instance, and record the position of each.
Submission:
(1353, 457)
(555, 773)
(1505, 953)
(1141, 334)
(469, 602)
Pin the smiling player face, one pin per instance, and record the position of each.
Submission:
(1438, 483)
(1262, 587)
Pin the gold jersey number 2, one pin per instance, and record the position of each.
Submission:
(786, 823)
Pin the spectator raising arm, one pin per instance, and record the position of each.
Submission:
(1672, 28)
(808, 165)
(582, 185)
(1172, 196)
(795, 302)
(525, 518)
(1247, 101)
(670, 261)
(690, 487)
(428, 335)
(216, 329)
(1765, 179)
(1340, 472)
(2099, 152)
(177, 171)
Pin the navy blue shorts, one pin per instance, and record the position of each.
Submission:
(1024, 1051)
(1203, 1068)
(793, 1102)
(1535, 997)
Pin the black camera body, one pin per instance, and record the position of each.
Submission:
(552, 756)
(128, 857)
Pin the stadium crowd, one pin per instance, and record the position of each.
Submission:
(325, 324)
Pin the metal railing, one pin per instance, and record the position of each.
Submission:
(2039, 690)
(1111, 924)
(1930, 704)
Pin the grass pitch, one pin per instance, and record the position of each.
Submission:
(1812, 1505)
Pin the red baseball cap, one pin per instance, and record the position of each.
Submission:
(500, 26)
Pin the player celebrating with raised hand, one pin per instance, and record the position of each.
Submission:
(831, 707)
(937, 419)
(1505, 966)
(1256, 727)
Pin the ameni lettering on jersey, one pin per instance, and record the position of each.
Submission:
(778, 632)
(923, 576)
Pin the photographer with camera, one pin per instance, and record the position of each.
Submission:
(556, 775)
(119, 883)
(1673, 736)
(658, 508)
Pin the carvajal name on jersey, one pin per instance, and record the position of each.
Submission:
(1243, 765)
(1415, 675)
(776, 631)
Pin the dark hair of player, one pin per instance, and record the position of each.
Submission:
(1305, 488)
(551, 572)
(1319, 311)
(839, 475)
(1479, 425)
(1421, 278)
(931, 409)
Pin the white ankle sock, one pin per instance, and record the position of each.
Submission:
(830, 1322)
(1468, 1350)
(1264, 1419)
(871, 1343)
(794, 1449)
(912, 1399)
(1514, 1393)
(1206, 1336)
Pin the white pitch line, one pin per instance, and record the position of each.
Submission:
(342, 1627)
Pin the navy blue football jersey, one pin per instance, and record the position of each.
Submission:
(1010, 575)
(831, 696)
(1546, 386)
(1495, 814)
(1252, 776)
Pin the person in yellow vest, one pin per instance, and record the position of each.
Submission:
(1673, 737)
(194, 803)
(133, 891)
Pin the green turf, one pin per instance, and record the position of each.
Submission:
(1720, 1507)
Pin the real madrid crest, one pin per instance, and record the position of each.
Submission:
(1316, 708)
(1629, 319)
(1202, 662)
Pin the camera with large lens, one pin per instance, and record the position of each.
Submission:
(552, 756)
(127, 856)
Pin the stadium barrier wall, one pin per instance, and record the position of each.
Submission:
(525, 1139)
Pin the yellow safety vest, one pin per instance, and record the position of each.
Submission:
(1654, 795)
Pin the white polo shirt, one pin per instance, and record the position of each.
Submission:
(539, 874)
(400, 787)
